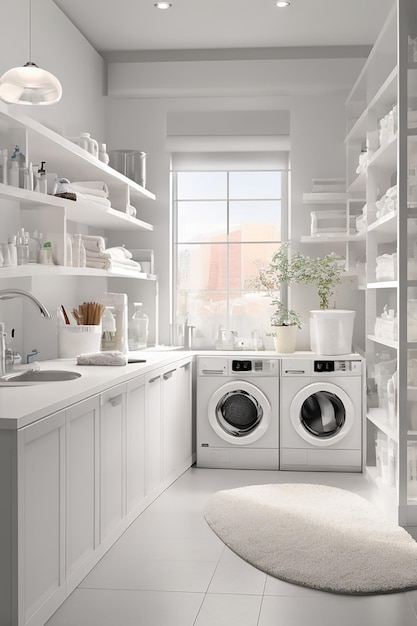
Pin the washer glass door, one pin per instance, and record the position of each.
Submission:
(239, 412)
(323, 414)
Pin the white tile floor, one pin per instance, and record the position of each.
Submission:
(169, 569)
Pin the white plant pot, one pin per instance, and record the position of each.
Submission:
(285, 338)
(331, 331)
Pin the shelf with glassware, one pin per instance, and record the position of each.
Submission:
(68, 160)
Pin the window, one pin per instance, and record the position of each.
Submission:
(229, 215)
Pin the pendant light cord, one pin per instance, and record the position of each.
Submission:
(30, 31)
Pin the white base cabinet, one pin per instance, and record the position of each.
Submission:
(71, 483)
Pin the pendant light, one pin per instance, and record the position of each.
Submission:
(29, 84)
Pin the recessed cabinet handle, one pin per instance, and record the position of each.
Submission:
(185, 365)
(152, 380)
(168, 374)
(115, 400)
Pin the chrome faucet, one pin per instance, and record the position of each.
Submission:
(8, 294)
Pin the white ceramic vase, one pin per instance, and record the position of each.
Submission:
(285, 338)
(331, 331)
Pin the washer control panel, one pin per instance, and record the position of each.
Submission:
(243, 367)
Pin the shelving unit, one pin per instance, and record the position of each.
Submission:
(55, 216)
(377, 119)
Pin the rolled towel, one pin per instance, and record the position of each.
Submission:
(112, 357)
(93, 187)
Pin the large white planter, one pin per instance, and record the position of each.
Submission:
(331, 331)
(285, 338)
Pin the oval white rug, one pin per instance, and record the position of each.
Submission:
(317, 536)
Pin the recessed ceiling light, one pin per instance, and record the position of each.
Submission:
(282, 5)
(162, 5)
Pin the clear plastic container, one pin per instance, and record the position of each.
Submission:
(138, 328)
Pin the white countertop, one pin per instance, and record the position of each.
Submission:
(23, 405)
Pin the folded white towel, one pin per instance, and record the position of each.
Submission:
(113, 357)
(94, 243)
(97, 199)
(118, 252)
(110, 264)
(93, 187)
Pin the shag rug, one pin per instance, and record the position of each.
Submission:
(317, 536)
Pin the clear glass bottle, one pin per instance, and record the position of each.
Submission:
(78, 252)
(138, 328)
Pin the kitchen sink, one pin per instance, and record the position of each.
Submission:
(32, 377)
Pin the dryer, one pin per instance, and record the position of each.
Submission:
(321, 425)
(238, 412)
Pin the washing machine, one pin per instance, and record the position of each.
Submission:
(237, 423)
(321, 415)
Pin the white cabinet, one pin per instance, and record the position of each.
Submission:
(41, 519)
(176, 419)
(382, 114)
(153, 433)
(82, 513)
(112, 446)
(135, 445)
(168, 445)
(72, 482)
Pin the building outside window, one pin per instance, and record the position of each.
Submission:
(229, 215)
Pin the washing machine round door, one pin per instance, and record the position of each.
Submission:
(239, 412)
(322, 414)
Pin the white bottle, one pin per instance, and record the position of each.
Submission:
(14, 174)
(108, 330)
(78, 252)
(119, 302)
(138, 328)
(12, 250)
(4, 155)
(102, 153)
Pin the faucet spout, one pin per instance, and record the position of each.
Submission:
(8, 294)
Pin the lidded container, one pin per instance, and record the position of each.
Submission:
(138, 328)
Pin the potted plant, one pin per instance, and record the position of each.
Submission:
(284, 324)
(331, 329)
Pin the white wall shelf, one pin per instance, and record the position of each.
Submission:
(324, 198)
(380, 100)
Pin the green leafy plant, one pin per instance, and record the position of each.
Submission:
(270, 279)
(282, 316)
(324, 273)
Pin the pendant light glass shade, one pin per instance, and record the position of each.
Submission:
(29, 85)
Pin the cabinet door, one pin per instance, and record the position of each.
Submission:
(176, 419)
(153, 433)
(135, 443)
(81, 485)
(184, 414)
(41, 505)
(170, 427)
(112, 459)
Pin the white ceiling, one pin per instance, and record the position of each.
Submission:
(135, 25)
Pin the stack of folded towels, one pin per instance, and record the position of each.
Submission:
(98, 256)
(94, 190)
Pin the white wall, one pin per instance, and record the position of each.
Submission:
(58, 47)
(142, 97)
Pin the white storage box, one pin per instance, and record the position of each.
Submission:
(328, 222)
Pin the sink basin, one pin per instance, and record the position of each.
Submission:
(32, 377)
